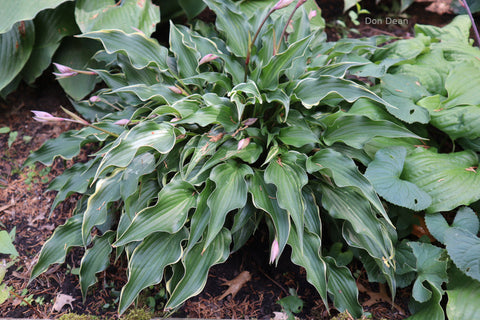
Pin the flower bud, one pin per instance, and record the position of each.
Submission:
(207, 58)
(282, 4)
(242, 144)
(94, 99)
(64, 71)
(312, 14)
(175, 90)
(122, 122)
(274, 251)
(249, 121)
(42, 116)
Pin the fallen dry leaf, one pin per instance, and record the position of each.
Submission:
(235, 284)
(61, 300)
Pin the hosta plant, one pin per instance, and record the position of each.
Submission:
(257, 118)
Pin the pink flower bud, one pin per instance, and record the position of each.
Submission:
(42, 116)
(94, 99)
(300, 2)
(282, 4)
(64, 71)
(175, 90)
(122, 122)
(250, 121)
(312, 14)
(274, 251)
(209, 57)
(242, 144)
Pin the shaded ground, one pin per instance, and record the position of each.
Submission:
(25, 205)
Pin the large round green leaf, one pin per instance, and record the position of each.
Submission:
(463, 296)
(15, 48)
(126, 15)
(450, 179)
(384, 173)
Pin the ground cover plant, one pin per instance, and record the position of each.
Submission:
(258, 118)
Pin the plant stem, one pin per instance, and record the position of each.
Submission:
(477, 36)
(103, 130)
(299, 3)
(250, 45)
(28, 303)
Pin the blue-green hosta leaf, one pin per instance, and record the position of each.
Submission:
(463, 296)
(270, 74)
(15, 48)
(289, 179)
(465, 219)
(297, 136)
(74, 179)
(244, 224)
(107, 14)
(311, 91)
(199, 220)
(196, 264)
(234, 24)
(186, 56)
(307, 254)
(145, 267)
(10, 11)
(205, 116)
(464, 249)
(384, 173)
(344, 173)
(403, 92)
(55, 249)
(356, 131)
(140, 165)
(157, 92)
(211, 78)
(243, 94)
(364, 229)
(312, 212)
(399, 51)
(342, 286)
(67, 146)
(431, 309)
(141, 50)
(431, 267)
(280, 96)
(263, 197)
(145, 135)
(50, 28)
(230, 184)
(462, 85)
(458, 121)
(169, 214)
(95, 260)
(450, 179)
(107, 190)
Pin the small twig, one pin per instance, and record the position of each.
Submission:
(477, 36)
(28, 303)
(275, 282)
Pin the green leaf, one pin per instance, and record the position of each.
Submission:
(51, 26)
(140, 165)
(462, 85)
(342, 286)
(307, 254)
(450, 179)
(77, 54)
(230, 184)
(148, 261)
(146, 135)
(289, 178)
(95, 260)
(55, 249)
(384, 173)
(126, 16)
(431, 267)
(67, 146)
(107, 190)
(464, 249)
(141, 50)
(233, 24)
(263, 197)
(6, 245)
(169, 214)
(192, 7)
(200, 218)
(10, 11)
(186, 56)
(15, 48)
(431, 310)
(465, 219)
(196, 264)
(356, 131)
(312, 91)
(297, 136)
(463, 296)
(157, 92)
(345, 173)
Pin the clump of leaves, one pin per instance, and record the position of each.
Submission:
(258, 118)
